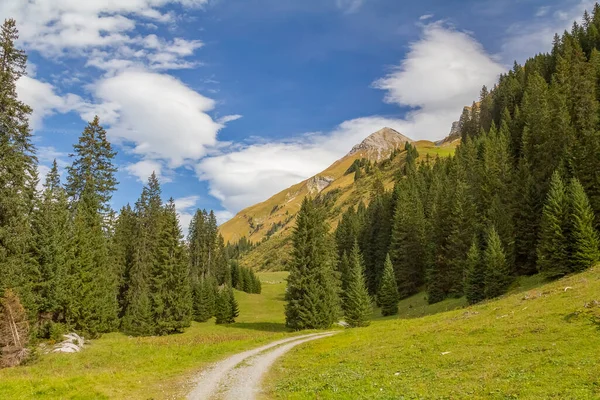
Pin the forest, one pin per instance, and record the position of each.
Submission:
(521, 196)
(69, 262)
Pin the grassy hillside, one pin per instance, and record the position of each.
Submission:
(120, 367)
(539, 343)
(274, 218)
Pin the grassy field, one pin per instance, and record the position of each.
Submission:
(120, 367)
(541, 342)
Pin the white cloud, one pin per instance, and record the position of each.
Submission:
(442, 72)
(425, 17)
(162, 117)
(44, 101)
(525, 39)
(253, 173)
(55, 26)
(144, 168)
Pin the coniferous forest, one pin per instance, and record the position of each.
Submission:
(68, 261)
(521, 196)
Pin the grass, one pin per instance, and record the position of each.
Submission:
(120, 367)
(540, 342)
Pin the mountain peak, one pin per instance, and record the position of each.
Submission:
(380, 144)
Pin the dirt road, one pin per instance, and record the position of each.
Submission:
(239, 376)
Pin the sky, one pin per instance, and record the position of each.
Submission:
(232, 101)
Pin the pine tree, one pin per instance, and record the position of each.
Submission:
(584, 241)
(552, 248)
(171, 293)
(51, 230)
(387, 295)
(123, 252)
(19, 175)
(475, 274)
(357, 302)
(344, 271)
(312, 291)
(497, 273)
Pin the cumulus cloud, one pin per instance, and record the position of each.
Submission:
(42, 98)
(144, 168)
(441, 73)
(55, 26)
(247, 175)
(530, 37)
(159, 115)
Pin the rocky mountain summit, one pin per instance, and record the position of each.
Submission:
(380, 144)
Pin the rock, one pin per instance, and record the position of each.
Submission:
(380, 144)
(343, 324)
(318, 183)
(73, 343)
(445, 352)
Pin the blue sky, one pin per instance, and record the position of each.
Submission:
(231, 101)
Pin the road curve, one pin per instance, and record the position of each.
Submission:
(224, 380)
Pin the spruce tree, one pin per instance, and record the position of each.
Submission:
(123, 252)
(497, 273)
(475, 274)
(357, 302)
(233, 304)
(223, 307)
(387, 295)
(312, 290)
(18, 175)
(51, 229)
(93, 158)
(584, 241)
(171, 293)
(552, 249)
(204, 304)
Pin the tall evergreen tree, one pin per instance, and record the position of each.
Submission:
(497, 273)
(204, 304)
(51, 228)
(171, 293)
(584, 241)
(475, 274)
(387, 295)
(312, 291)
(357, 302)
(123, 251)
(18, 174)
(93, 158)
(552, 248)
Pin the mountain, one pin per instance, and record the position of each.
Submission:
(271, 221)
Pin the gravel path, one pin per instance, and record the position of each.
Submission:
(224, 380)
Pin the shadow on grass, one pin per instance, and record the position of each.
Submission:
(261, 326)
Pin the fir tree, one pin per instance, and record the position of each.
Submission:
(312, 291)
(497, 273)
(357, 302)
(475, 274)
(123, 252)
(584, 241)
(387, 295)
(233, 304)
(552, 248)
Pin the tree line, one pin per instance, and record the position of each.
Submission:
(68, 261)
(520, 196)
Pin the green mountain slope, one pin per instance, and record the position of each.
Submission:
(271, 222)
(541, 343)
